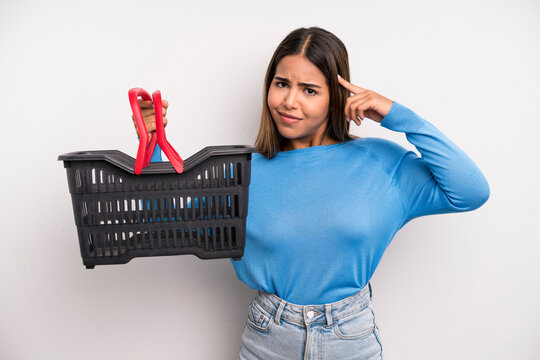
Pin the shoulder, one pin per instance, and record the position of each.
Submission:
(258, 158)
(378, 152)
(378, 147)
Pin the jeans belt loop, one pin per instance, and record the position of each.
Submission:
(328, 314)
(279, 311)
(370, 291)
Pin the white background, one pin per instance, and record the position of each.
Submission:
(454, 286)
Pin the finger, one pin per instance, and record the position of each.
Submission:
(147, 112)
(150, 123)
(165, 103)
(356, 99)
(357, 110)
(146, 104)
(360, 107)
(151, 111)
(165, 121)
(347, 85)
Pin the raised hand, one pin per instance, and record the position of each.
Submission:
(149, 116)
(364, 104)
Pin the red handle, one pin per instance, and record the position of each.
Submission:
(172, 155)
(145, 151)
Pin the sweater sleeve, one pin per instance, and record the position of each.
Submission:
(443, 180)
(156, 156)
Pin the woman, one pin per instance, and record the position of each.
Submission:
(324, 205)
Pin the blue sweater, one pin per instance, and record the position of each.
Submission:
(320, 218)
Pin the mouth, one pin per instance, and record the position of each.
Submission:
(288, 119)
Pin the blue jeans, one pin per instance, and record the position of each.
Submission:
(276, 329)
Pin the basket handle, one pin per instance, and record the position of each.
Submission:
(145, 150)
(172, 155)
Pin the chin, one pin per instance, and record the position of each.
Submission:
(289, 134)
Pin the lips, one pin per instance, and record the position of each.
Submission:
(288, 119)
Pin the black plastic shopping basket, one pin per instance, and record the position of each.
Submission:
(121, 215)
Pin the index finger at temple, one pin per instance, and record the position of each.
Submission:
(347, 85)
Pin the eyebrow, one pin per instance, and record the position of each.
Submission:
(301, 84)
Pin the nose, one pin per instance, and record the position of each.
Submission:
(291, 98)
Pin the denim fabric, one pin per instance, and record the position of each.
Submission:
(276, 329)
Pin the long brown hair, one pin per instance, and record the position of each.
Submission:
(329, 55)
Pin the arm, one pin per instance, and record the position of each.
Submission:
(444, 179)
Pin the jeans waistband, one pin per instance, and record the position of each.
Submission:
(313, 314)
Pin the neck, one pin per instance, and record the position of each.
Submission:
(294, 144)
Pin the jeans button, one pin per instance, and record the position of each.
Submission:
(310, 314)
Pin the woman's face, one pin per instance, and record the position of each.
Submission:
(299, 100)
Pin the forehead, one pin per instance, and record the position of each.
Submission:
(298, 68)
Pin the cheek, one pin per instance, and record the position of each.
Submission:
(318, 110)
(272, 99)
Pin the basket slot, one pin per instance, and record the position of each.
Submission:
(239, 173)
(164, 239)
(154, 202)
(183, 238)
(92, 218)
(176, 207)
(144, 205)
(221, 207)
(164, 213)
(184, 207)
(158, 238)
(189, 238)
(215, 176)
(227, 183)
(205, 234)
(84, 212)
(233, 237)
(126, 211)
(218, 243)
(236, 206)
(133, 243)
(173, 238)
(213, 208)
(123, 243)
(138, 209)
(226, 237)
(98, 247)
(192, 205)
(177, 238)
(197, 236)
(89, 245)
(78, 181)
(109, 208)
(110, 240)
(199, 207)
(214, 239)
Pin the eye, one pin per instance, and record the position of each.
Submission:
(280, 83)
(311, 92)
